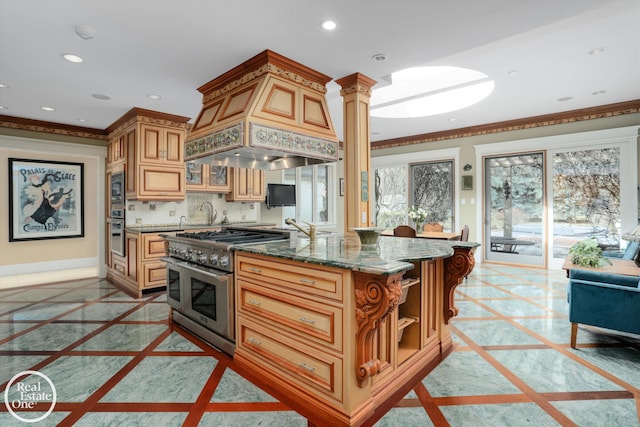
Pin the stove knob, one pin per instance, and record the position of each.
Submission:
(224, 261)
(202, 259)
(213, 259)
(182, 253)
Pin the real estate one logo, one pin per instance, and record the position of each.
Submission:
(26, 394)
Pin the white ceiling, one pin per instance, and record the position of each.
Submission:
(171, 47)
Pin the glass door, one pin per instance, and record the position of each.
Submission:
(515, 209)
(586, 199)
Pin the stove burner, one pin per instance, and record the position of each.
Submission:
(230, 236)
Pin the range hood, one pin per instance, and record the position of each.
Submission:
(267, 113)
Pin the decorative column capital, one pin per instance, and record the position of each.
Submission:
(356, 83)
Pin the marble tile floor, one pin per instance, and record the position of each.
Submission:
(116, 361)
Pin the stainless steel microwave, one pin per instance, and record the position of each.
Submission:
(117, 188)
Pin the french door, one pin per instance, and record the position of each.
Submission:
(538, 204)
(515, 208)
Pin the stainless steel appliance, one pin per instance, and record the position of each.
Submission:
(116, 231)
(200, 280)
(117, 188)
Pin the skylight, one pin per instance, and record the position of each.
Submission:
(427, 91)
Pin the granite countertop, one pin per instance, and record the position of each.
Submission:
(388, 256)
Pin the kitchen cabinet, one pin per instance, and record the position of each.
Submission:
(207, 178)
(149, 145)
(342, 330)
(141, 268)
(290, 318)
(247, 185)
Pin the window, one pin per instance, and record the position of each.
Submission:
(432, 190)
(314, 193)
(430, 187)
(391, 196)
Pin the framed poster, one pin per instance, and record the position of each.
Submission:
(45, 200)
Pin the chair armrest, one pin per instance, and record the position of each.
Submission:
(603, 277)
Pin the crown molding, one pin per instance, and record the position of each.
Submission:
(603, 111)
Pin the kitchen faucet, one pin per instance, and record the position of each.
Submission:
(312, 228)
(212, 212)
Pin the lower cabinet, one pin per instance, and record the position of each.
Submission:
(286, 321)
(141, 269)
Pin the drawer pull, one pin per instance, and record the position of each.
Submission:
(308, 281)
(309, 321)
(254, 341)
(306, 367)
(253, 302)
(255, 270)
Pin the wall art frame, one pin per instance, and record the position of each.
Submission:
(46, 199)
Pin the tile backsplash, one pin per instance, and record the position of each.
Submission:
(169, 213)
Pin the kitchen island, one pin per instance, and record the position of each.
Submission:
(341, 331)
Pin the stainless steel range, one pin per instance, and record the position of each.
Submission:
(200, 280)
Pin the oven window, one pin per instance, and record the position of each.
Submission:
(173, 284)
(203, 298)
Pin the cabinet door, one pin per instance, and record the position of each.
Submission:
(132, 255)
(173, 146)
(218, 178)
(247, 185)
(161, 145)
(157, 182)
(194, 176)
(151, 148)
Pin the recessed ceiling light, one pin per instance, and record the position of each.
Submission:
(565, 98)
(3, 86)
(3, 107)
(597, 51)
(452, 119)
(513, 72)
(379, 57)
(72, 58)
(599, 92)
(427, 91)
(82, 120)
(48, 108)
(329, 25)
(101, 96)
(84, 32)
(153, 96)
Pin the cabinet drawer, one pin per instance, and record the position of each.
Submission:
(310, 368)
(154, 273)
(119, 264)
(321, 323)
(153, 247)
(293, 275)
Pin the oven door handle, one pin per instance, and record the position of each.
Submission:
(204, 270)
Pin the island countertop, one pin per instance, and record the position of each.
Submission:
(389, 255)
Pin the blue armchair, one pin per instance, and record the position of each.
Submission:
(629, 253)
(605, 300)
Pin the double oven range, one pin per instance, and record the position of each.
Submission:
(200, 280)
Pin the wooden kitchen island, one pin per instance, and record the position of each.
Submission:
(341, 331)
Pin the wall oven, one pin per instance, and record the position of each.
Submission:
(116, 231)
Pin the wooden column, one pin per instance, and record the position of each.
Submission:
(356, 92)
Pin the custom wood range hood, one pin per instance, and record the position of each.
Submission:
(267, 113)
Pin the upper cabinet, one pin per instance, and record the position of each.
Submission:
(207, 178)
(153, 144)
(247, 185)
